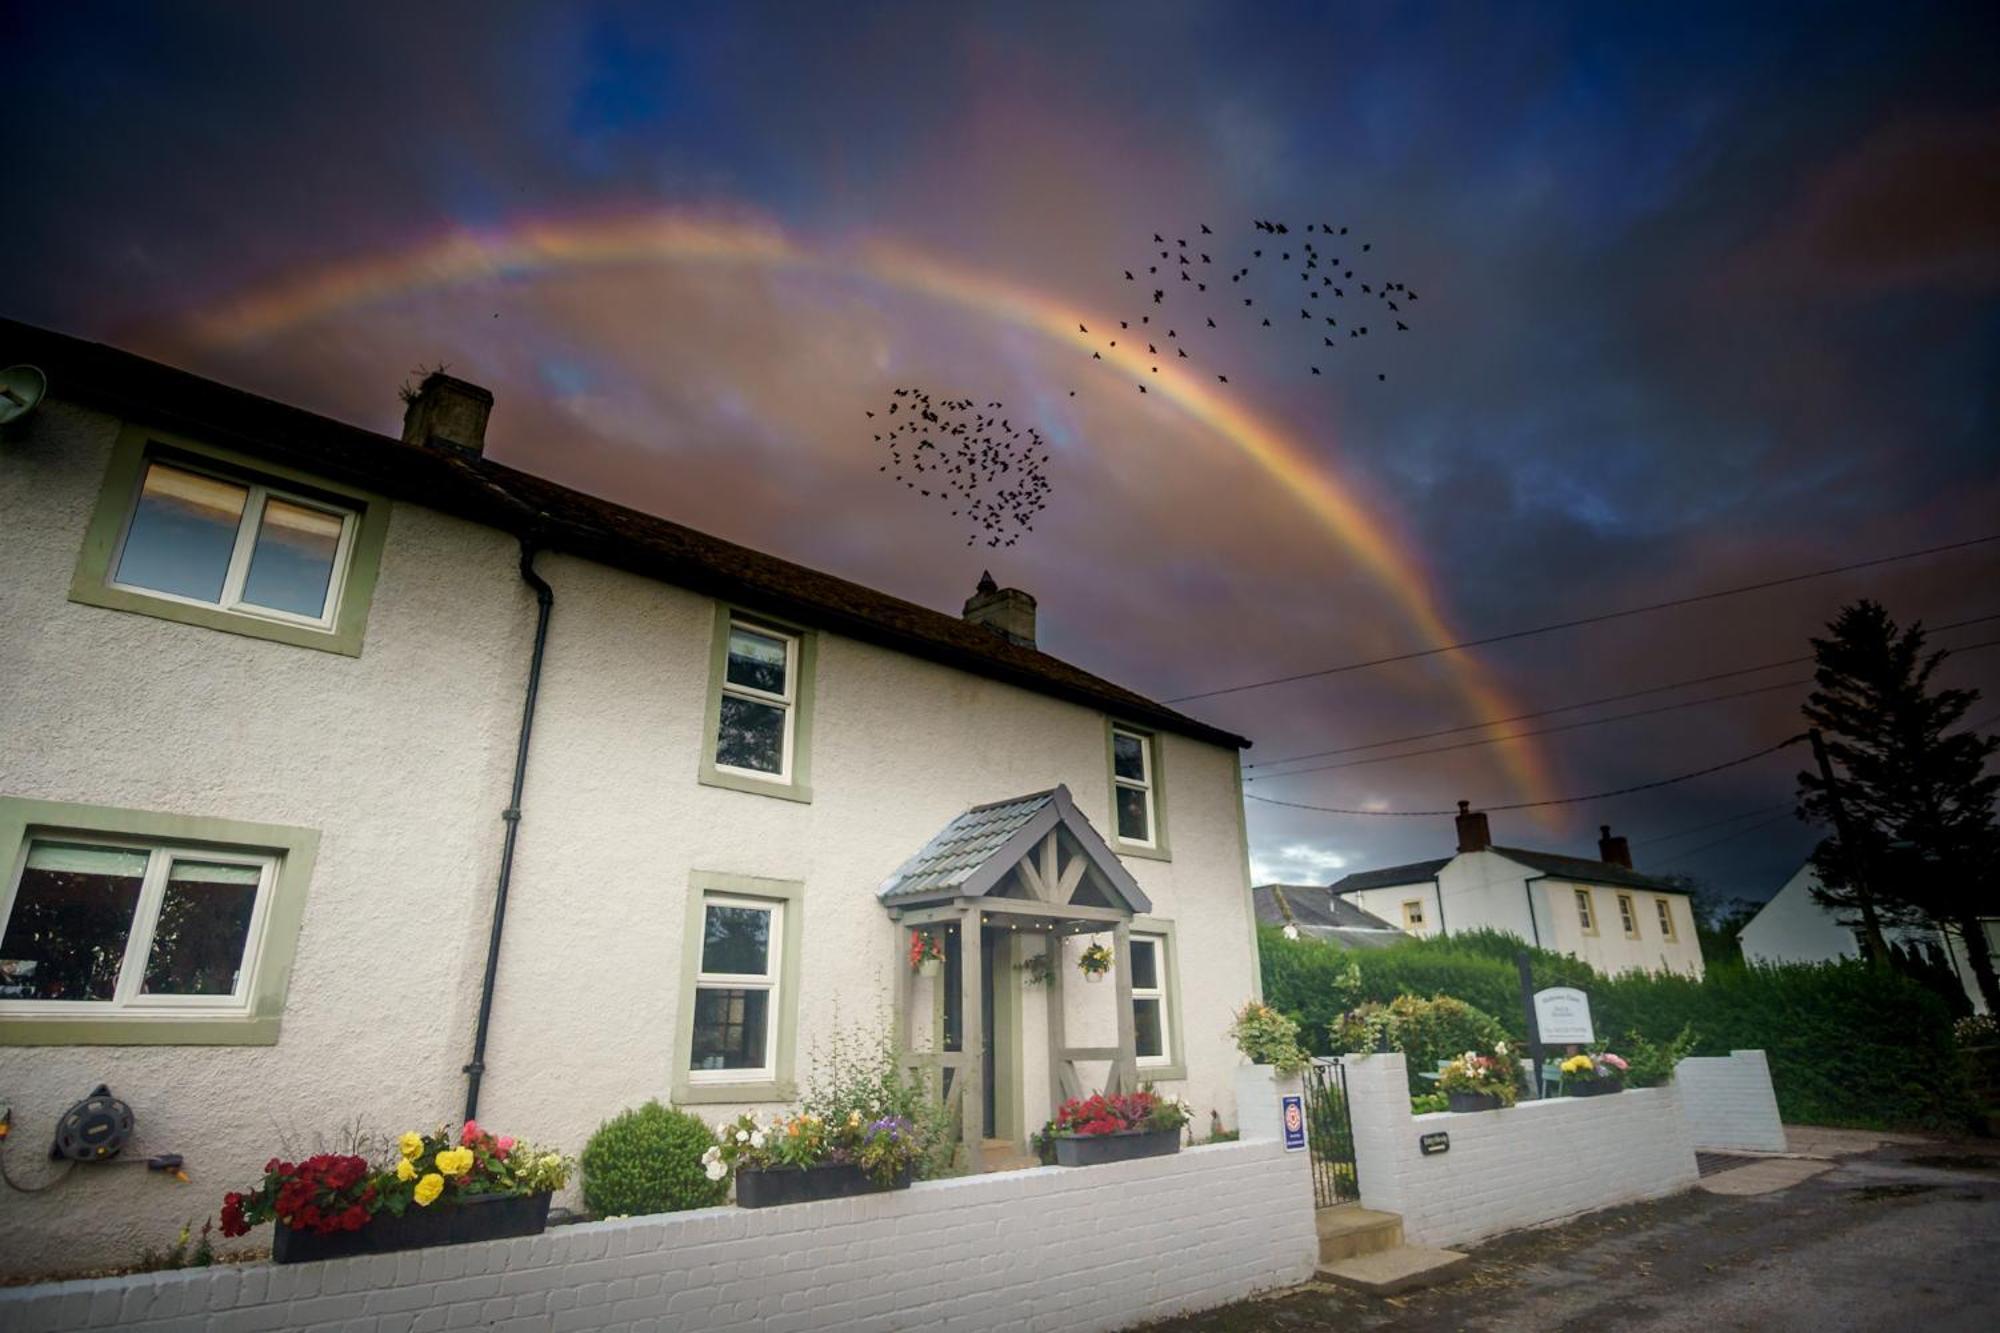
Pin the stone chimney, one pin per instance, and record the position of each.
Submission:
(446, 412)
(1473, 834)
(1613, 851)
(1008, 612)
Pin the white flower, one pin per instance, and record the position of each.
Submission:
(743, 1136)
(712, 1156)
(1291, 931)
(715, 1170)
(757, 1139)
(1500, 1048)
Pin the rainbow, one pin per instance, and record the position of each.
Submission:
(461, 257)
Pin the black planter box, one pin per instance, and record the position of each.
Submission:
(838, 1180)
(1097, 1149)
(460, 1222)
(1595, 1087)
(1463, 1102)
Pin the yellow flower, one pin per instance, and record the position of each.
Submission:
(455, 1161)
(410, 1144)
(405, 1171)
(428, 1189)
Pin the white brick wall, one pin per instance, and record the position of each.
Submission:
(1047, 1249)
(1730, 1102)
(1535, 1163)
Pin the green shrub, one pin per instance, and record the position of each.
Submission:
(648, 1160)
(1427, 1032)
(1849, 1044)
(1267, 1037)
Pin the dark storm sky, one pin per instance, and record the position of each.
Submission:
(1709, 298)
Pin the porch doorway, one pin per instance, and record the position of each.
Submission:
(1000, 1029)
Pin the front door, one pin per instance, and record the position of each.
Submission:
(999, 1029)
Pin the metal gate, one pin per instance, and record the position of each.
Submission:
(1330, 1135)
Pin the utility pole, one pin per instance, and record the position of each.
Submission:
(1872, 942)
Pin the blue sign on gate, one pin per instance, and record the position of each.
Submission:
(1295, 1123)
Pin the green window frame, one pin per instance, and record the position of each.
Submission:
(1153, 783)
(137, 447)
(795, 783)
(788, 896)
(272, 948)
(1160, 932)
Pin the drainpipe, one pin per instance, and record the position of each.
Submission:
(545, 599)
(1528, 887)
(1437, 886)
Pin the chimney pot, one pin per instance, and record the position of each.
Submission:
(447, 412)
(1613, 851)
(1008, 612)
(1474, 835)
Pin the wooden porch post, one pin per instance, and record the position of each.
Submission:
(1057, 1027)
(972, 1106)
(1125, 1068)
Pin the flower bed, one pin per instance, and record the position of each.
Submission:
(437, 1193)
(801, 1158)
(1088, 1131)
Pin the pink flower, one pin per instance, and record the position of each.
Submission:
(470, 1132)
(505, 1146)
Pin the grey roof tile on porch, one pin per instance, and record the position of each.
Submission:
(962, 847)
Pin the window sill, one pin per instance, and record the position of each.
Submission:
(1141, 851)
(87, 592)
(1169, 1073)
(711, 776)
(688, 1093)
(51, 1030)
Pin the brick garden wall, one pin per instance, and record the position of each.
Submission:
(1531, 1164)
(1048, 1249)
(1729, 1102)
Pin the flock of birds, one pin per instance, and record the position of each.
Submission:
(990, 471)
(971, 458)
(1198, 302)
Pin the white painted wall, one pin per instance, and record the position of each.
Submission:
(401, 759)
(1729, 1102)
(1051, 1249)
(1529, 1165)
(1488, 890)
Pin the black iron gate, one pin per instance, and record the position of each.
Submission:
(1330, 1135)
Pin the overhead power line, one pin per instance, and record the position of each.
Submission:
(1717, 842)
(1567, 726)
(1597, 619)
(1593, 703)
(1536, 805)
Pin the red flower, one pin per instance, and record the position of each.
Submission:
(233, 1223)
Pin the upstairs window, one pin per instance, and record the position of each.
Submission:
(1585, 917)
(1665, 910)
(1132, 786)
(1628, 916)
(243, 546)
(754, 734)
(1413, 915)
(129, 929)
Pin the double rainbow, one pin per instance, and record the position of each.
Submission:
(542, 246)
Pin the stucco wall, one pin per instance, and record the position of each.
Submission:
(1095, 1248)
(1610, 950)
(400, 758)
(1531, 1164)
(1729, 1102)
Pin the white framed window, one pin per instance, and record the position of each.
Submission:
(205, 538)
(1586, 917)
(1628, 916)
(1132, 790)
(757, 720)
(1152, 1034)
(736, 990)
(1665, 910)
(132, 929)
(1413, 914)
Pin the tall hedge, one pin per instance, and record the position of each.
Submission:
(1848, 1044)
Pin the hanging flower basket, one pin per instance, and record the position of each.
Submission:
(1094, 962)
(926, 954)
(470, 1218)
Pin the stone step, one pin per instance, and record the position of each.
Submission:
(1351, 1231)
(1386, 1272)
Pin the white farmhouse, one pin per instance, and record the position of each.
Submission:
(1603, 911)
(353, 780)
(1795, 928)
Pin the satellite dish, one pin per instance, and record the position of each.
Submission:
(21, 387)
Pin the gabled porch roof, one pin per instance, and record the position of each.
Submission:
(978, 855)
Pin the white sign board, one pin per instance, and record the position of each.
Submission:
(1562, 1017)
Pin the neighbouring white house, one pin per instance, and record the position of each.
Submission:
(283, 854)
(1603, 911)
(1314, 911)
(1795, 928)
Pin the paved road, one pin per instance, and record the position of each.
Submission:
(1903, 1238)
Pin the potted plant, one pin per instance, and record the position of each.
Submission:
(799, 1159)
(1094, 962)
(1090, 1131)
(438, 1192)
(1475, 1082)
(1035, 971)
(926, 953)
(1593, 1075)
(1268, 1038)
